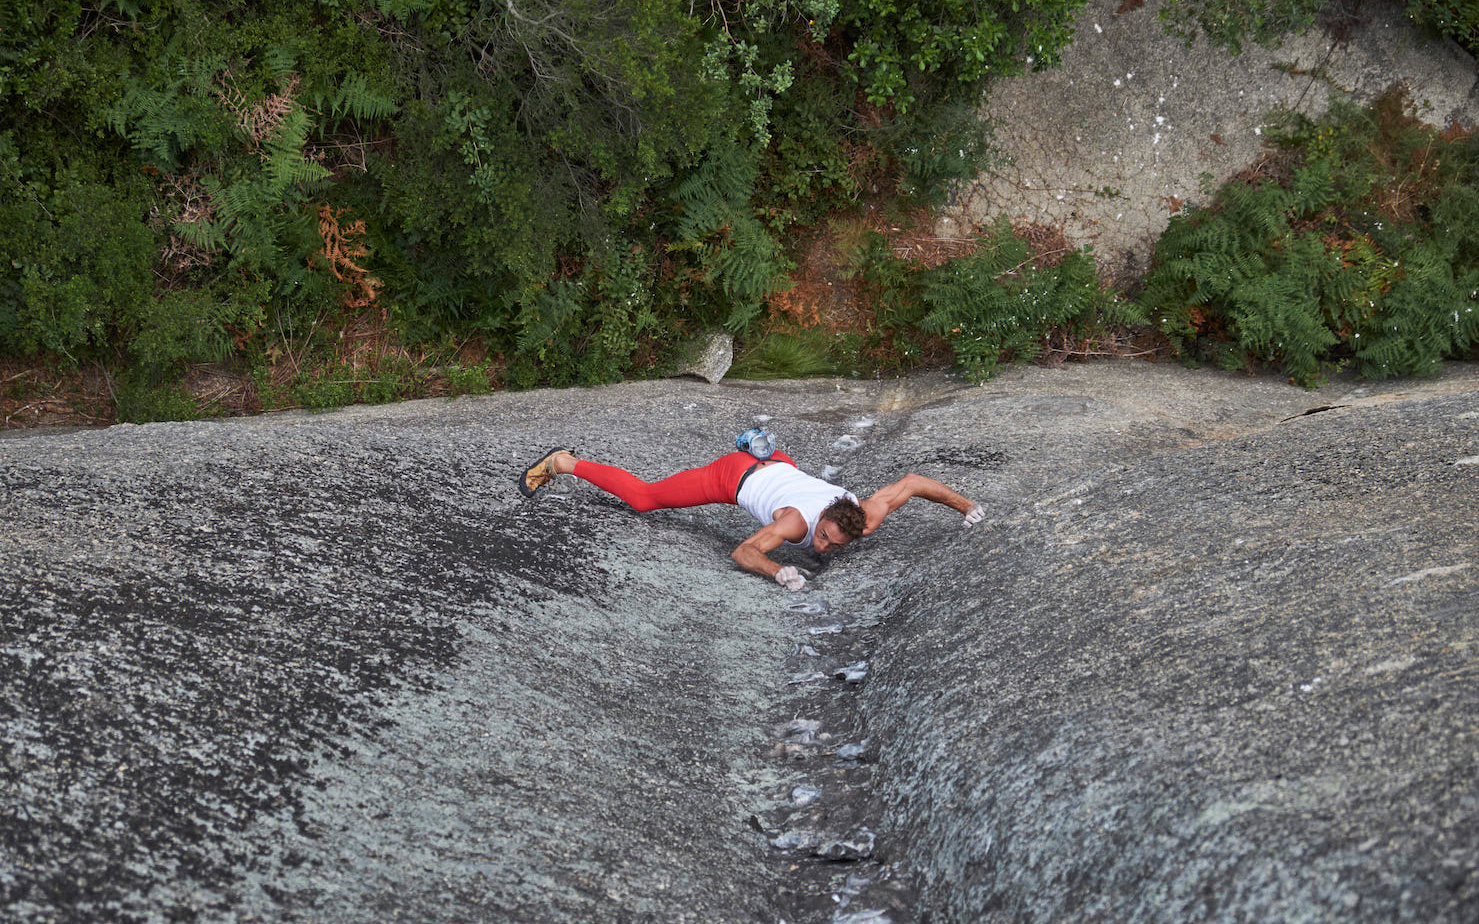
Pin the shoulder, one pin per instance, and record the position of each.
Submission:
(788, 525)
(789, 520)
(874, 511)
(889, 498)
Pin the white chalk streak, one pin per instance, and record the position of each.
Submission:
(1428, 572)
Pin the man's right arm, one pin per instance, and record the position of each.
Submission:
(754, 553)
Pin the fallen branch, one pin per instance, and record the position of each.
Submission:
(1104, 353)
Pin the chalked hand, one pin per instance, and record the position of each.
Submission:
(974, 515)
(790, 578)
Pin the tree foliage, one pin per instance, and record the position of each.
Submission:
(583, 183)
(563, 177)
(902, 54)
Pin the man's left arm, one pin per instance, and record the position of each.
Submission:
(887, 499)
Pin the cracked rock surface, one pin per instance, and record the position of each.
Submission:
(1210, 658)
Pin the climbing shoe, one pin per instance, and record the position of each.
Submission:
(539, 474)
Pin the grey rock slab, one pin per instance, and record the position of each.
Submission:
(1229, 681)
(333, 667)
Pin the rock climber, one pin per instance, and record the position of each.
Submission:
(793, 508)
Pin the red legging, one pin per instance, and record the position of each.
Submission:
(715, 483)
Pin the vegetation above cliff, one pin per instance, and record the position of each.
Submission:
(224, 207)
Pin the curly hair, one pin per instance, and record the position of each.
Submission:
(848, 516)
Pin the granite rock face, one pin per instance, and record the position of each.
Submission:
(1210, 657)
(1128, 128)
(1230, 682)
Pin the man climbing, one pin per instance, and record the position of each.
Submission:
(793, 507)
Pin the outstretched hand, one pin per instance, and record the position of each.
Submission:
(974, 515)
(790, 578)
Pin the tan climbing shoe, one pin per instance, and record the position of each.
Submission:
(539, 474)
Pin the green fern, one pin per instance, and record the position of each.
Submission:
(544, 314)
(165, 122)
(716, 223)
(258, 214)
(354, 98)
(995, 304)
(287, 168)
(1428, 313)
(1314, 188)
(584, 330)
(1366, 251)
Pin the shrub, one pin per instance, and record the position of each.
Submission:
(1365, 247)
(1001, 302)
(1228, 23)
(579, 183)
(80, 252)
(140, 402)
(737, 260)
(193, 326)
(904, 54)
(1456, 18)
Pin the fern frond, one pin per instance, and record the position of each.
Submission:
(355, 98)
(543, 314)
(1314, 188)
(279, 61)
(286, 164)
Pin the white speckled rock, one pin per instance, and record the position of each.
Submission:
(711, 356)
(1206, 660)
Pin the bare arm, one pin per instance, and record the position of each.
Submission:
(887, 499)
(754, 553)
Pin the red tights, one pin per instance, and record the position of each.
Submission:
(715, 483)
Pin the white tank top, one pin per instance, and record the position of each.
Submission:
(772, 487)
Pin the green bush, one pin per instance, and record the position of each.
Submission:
(141, 401)
(584, 330)
(468, 380)
(736, 259)
(938, 147)
(577, 182)
(80, 252)
(817, 159)
(193, 326)
(1366, 250)
(999, 303)
(905, 54)
(1229, 23)
(1456, 18)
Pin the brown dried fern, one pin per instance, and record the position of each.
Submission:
(343, 246)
